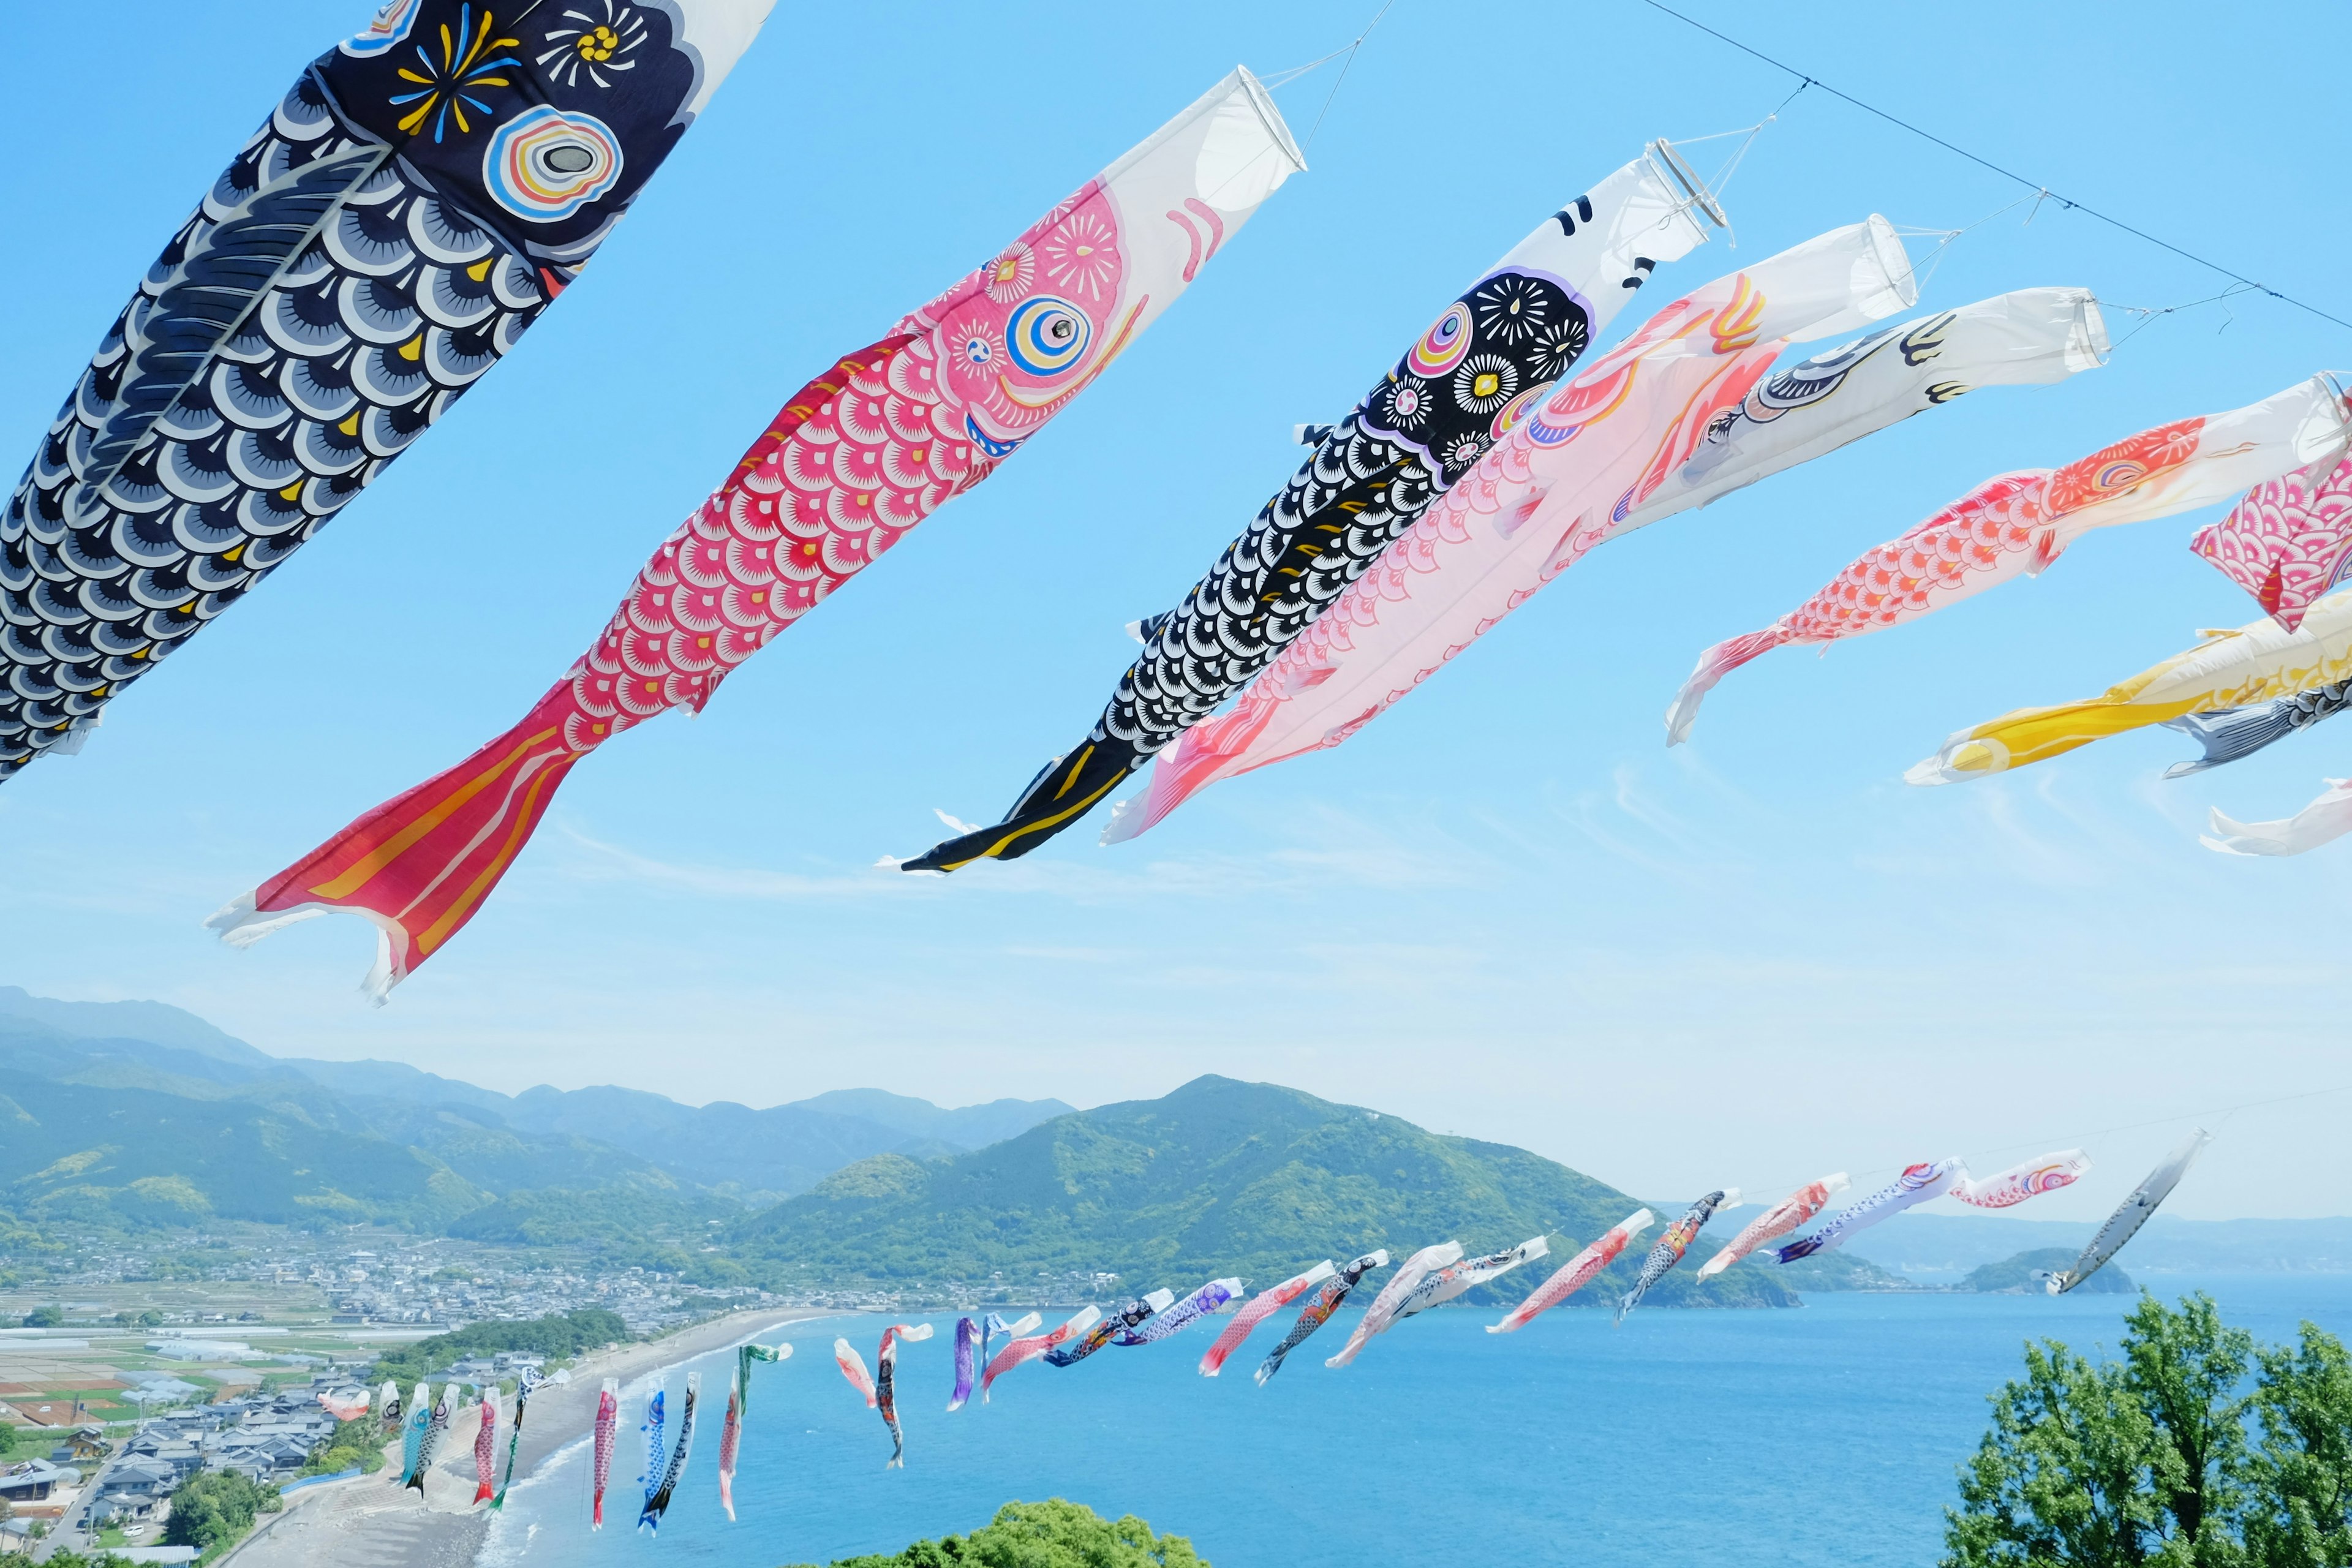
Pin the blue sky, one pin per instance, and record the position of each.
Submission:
(1506, 909)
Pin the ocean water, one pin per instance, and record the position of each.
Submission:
(1824, 1436)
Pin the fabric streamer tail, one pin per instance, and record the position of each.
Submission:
(967, 1350)
(2234, 732)
(1713, 666)
(2328, 818)
(853, 1367)
(418, 866)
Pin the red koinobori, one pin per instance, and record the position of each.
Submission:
(859, 456)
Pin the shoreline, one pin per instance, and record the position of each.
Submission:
(368, 1523)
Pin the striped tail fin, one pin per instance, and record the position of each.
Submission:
(2236, 733)
(1713, 666)
(419, 865)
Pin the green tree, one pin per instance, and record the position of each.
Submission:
(2300, 1509)
(45, 1317)
(2191, 1448)
(1049, 1534)
(212, 1509)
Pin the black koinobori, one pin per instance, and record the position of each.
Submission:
(420, 195)
(1503, 343)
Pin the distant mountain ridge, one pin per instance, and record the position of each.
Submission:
(144, 1089)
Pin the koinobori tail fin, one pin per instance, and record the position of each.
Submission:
(2236, 733)
(1713, 666)
(1064, 791)
(421, 864)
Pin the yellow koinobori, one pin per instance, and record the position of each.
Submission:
(2229, 670)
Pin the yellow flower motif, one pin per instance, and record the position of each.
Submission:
(598, 44)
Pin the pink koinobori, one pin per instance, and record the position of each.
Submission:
(861, 456)
(1564, 476)
(2015, 524)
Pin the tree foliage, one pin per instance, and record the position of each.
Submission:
(557, 1336)
(1049, 1534)
(212, 1509)
(2190, 1448)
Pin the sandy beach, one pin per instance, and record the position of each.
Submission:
(372, 1523)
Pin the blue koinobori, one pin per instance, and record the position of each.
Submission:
(420, 195)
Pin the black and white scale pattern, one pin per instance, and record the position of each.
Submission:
(2234, 732)
(186, 467)
(1370, 479)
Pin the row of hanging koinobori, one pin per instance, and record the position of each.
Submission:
(387, 236)
(1430, 1277)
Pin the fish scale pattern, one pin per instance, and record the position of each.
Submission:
(129, 531)
(857, 459)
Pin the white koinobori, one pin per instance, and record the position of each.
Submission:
(2125, 1223)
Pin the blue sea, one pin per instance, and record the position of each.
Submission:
(1821, 1435)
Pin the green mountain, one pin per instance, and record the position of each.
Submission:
(2015, 1276)
(1219, 1177)
(91, 1153)
(140, 1113)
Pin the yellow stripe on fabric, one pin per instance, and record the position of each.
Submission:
(393, 848)
(2034, 734)
(438, 932)
(1075, 769)
(998, 847)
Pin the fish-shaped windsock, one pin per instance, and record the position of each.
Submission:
(387, 1404)
(419, 196)
(1257, 1310)
(1318, 1313)
(1094, 1338)
(731, 1438)
(2015, 524)
(2026, 1179)
(972, 1342)
(2230, 733)
(1916, 1184)
(1671, 1243)
(1182, 1315)
(2125, 1223)
(1443, 1284)
(872, 446)
(669, 1471)
(2287, 542)
(739, 1405)
(437, 1427)
(1027, 1348)
(485, 1448)
(1776, 1222)
(523, 1388)
(1383, 1312)
(608, 1426)
(1577, 459)
(1423, 426)
(2229, 670)
(885, 1375)
(656, 1452)
(1576, 1273)
(412, 1434)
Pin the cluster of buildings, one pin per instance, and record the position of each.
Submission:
(266, 1437)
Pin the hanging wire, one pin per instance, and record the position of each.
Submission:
(1342, 80)
(2148, 314)
(2040, 190)
(2220, 1116)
